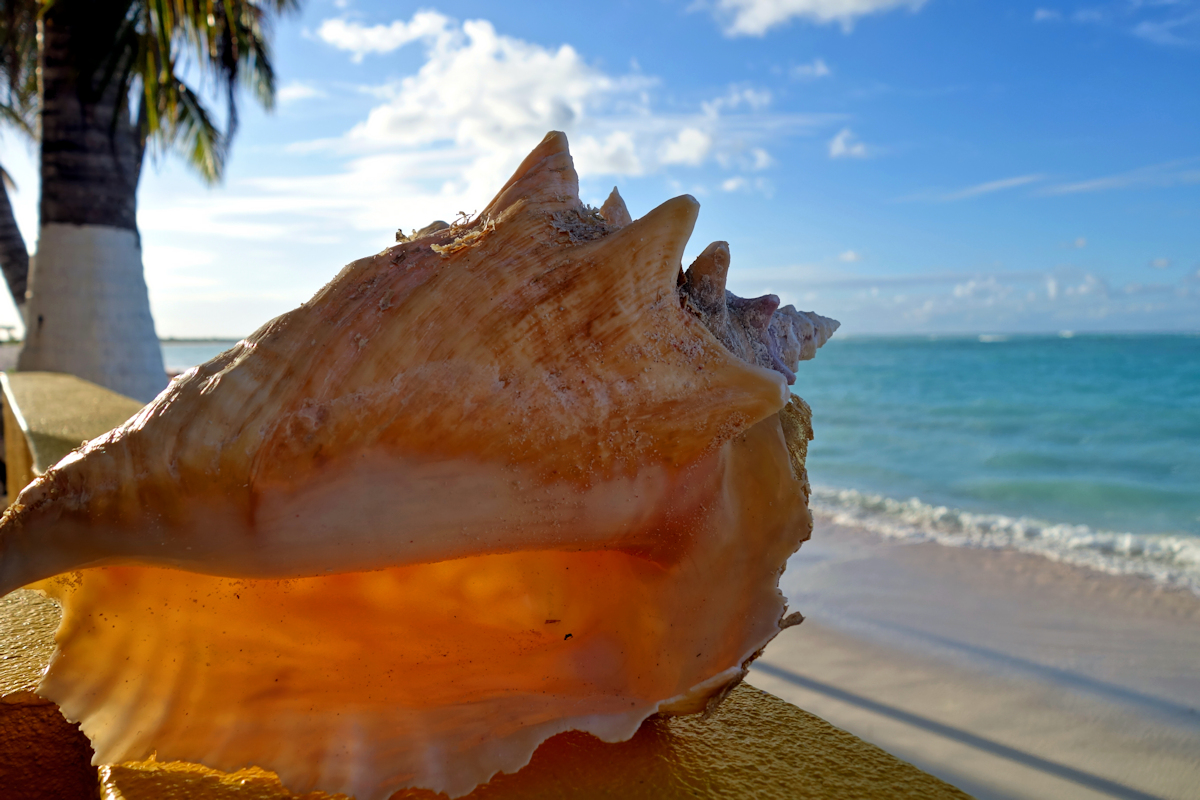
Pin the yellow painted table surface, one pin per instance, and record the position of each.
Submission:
(59, 412)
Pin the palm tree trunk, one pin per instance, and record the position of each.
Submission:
(88, 311)
(14, 257)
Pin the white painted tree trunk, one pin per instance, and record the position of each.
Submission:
(88, 311)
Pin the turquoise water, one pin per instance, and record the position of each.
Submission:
(1084, 449)
(181, 356)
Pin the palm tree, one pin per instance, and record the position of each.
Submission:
(111, 84)
(18, 109)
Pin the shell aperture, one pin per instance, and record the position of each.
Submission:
(507, 478)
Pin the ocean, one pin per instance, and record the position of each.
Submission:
(1081, 448)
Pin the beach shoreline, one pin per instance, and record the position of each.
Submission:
(1006, 673)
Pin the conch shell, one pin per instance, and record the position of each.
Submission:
(508, 478)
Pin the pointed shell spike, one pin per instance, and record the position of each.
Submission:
(658, 239)
(546, 178)
(614, 211)
(704, 280)
(800, 333)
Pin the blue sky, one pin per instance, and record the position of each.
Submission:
(901, 165)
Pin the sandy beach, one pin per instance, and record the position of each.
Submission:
(1009, 675)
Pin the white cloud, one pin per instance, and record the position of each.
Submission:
(1090, 285)
(1172, 31)
(483, 100)
(846, 145)
(987, 290)
(440, 138)
(850, 257)
(616, 154)
(691, 146)
(170, 267)
(992, 186)
(1160, 263)
(204, 218)
(297, 90)
(1092, 16)
(755, 99)
(361, 40)
(1182, 172)
(812, 71)
(762, 159)
(444, 137)
(734, 184)
(1046, 15)
(487, 98)
(480, 87)
(945, 196)
(995, 302)
(1153, 288)
(1171, 23)
(756, 17)
(1079, 243)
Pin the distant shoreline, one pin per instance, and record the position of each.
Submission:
(985, 336)
(208, 340)
(211, 340)
(1001, 336)
(843, 334)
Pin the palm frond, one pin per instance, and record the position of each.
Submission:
(17, 119)
(18, 64)
(229, 40)
(148, 49)
(198, 139)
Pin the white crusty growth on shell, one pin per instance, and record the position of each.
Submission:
(495, 482)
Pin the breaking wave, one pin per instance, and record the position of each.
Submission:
(1170, 560)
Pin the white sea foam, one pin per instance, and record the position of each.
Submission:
(1170, 560)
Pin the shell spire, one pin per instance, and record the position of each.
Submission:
(511, 460)
(545, 178)
(614, 211)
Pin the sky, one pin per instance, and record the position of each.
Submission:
(904, 166)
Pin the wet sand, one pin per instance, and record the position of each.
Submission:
(1007, 674)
